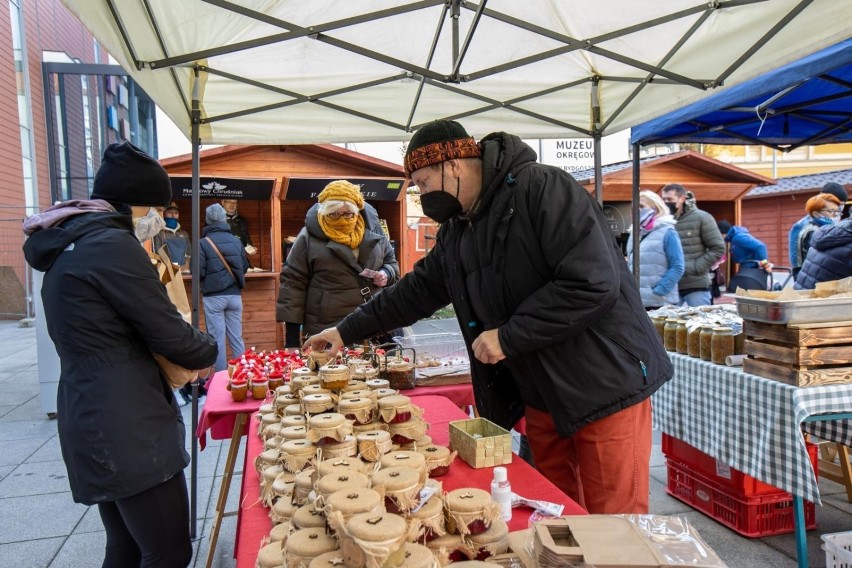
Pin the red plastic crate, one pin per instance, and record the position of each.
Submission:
(723, 475)
(755, 516)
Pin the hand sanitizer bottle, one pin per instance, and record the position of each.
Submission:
(501, 493)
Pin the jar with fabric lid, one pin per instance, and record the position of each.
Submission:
(297, 383)
(660, 325)
(270, 556)
(314, 389)
(681, 339)
(334, 376)
(369, 427)
(265, 408)
(317, 403)
(293, 433)
(265, 459)
(282, 510)
(306, 544)
(364, 373)
(282, 488)
(421, 442)
(303, 484)
(418, 556)
(373, 540)
(492, 542)
(346, 448)
(296, 455)
(355, 362)
(308, 516)
(449, 548)
(358, 410)
(292, 410)
(401, 487)
(412, 460)
(270, 431)
(266, 420)
(271, 443)
(670, 334)
(373, 445)
(360, 393)
(407, 432)
(280, 532)
(342, 505)
(335, 465)
(470, 511)
(267, 476)
(400, 374)
(283, 390)
(301, 373)
(721, 345)
(438, 459)
(375, 384)
(328, 560)
(328, 427)
(428, 522)
(284, 400)
(397, 408)
(337, 481)
(351, 386)
(382, 393)
(317, 359)
(293, 420)
(706, 341)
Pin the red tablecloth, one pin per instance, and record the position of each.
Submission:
(253, 522)
(220, 411)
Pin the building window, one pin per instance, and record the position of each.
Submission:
(24, 103)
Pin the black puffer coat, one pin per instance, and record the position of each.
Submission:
(319, 281)
(829, 257)
(549, 275)
(120, 430)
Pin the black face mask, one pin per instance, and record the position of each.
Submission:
(672, 208)
(440, 206)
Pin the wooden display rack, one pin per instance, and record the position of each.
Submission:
(800, 355)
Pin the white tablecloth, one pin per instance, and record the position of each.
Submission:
(750, 423)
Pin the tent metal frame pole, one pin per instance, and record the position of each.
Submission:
(429, 58)
(598, 168)
(460, 55)
(634, 210)
(196, 288)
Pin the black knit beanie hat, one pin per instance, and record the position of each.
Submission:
(129, 175)
(836, 190)
(439, 141)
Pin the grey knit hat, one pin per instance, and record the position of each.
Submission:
(215, 214)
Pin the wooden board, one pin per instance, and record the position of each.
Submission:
(802, 335)
(797, 377)
(802, 357)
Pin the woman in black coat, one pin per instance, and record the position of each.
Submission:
(120, 429)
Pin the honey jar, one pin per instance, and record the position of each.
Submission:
(334, 376)
(681, 337)
(721, 345)
(693, 341)
(670, 334)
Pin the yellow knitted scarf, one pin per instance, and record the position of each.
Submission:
(349, 232)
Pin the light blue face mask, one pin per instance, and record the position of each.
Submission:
(823, 221)
(148, 226)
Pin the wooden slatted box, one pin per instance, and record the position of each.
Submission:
(801, 355)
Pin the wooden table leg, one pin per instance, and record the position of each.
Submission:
(227, 477)
(834, 465)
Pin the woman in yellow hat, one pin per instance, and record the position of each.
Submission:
(340, 258)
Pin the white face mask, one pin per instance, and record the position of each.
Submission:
(148, 226)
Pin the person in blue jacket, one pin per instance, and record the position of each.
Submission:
(798, 250)
(745, 248)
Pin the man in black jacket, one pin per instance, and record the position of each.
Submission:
(549, 311)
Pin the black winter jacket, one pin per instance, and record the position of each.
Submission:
(554, 283)
(120, 430)
(215, 279)
(829, 257)
(320, 284)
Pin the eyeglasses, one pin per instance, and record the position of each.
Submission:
(830, 212)
(336, 216)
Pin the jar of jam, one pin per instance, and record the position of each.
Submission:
(303, 484)
(705, 339)
(492, 542)
(401, 487)
(308, 516)
(270, 556)
(470, 511)
(395, 409)
(670, 334)
(721, 345)
(349, 502)
(297, 454)
(681, 337)
(346, 448)
(342, 480)
(306, 544)
(373, 445)
(374, 384)
(400, 374)
(411, 460)
(334, 376)
(358, 410)
(374, 539)
(693, 341)
(660, 325)
(293, 432)
(314, 389)
(449, 548)
(293, 420)
(421, 442)
(418, 556)
(428, 522)
(438, 459)
(407, 432)
(282, 511)
(328, 427)
(382, 393)
(317, 404)
(360, 393)
(340, 464)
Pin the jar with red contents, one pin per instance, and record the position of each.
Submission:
(492, 542)
(438, 459)
(470, 511)
(411, 460)
(358, 410)
(317, 404)
(328, 427)
(350, 501)
(395, 409)
(346, 448)
(449, 548)
(408, 432)
(373, 445)
(376, 384)
(401, 486)
(429, 519)
(334, 482)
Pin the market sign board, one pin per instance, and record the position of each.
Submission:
(373, 189)
(223, 188)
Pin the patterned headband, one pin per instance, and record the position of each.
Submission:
(438, 152)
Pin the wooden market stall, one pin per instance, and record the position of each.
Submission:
(274, 187)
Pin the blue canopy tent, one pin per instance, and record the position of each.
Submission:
(803, 103)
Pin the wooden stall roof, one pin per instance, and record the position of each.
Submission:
(708, 178)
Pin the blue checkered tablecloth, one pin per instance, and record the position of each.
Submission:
(750, 423)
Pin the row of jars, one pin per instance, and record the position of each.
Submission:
(710, 342)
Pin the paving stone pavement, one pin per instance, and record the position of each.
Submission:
(41, 526)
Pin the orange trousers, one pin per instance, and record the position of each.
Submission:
(604, 466)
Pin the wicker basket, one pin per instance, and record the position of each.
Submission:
(480, 442)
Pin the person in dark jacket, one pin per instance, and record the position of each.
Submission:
(702, 243)
(120, 429)
(173, 238)
(549, 311)
(239, 225)
(339, 260)
(829, 257)
(222, 288)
